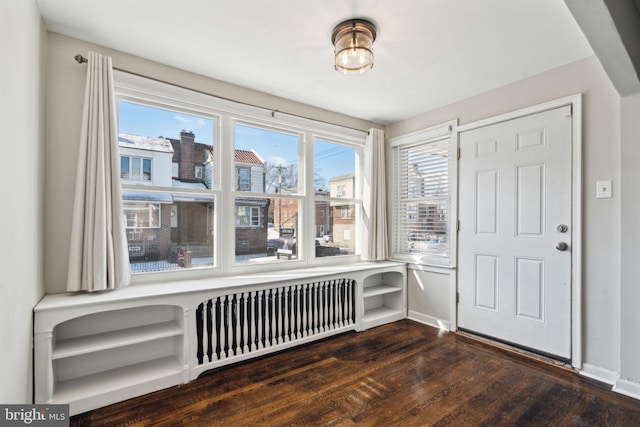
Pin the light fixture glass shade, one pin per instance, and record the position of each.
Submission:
(353, 43)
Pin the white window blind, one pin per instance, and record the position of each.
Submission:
(423, 200)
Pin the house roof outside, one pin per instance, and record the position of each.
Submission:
(177, 183)
(245, 156)
(148, 143)
(159, 197)
(342, 177)
(255, 201)
(160, 144)
(146, 196)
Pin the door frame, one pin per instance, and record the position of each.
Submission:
(575, 102)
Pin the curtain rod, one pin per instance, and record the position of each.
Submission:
(82, 60)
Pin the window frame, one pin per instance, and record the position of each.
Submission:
(354, 204)
(240, 170)
(127, 205)
(434, 134)
(226, 113)
(251, 217)
(142, 160)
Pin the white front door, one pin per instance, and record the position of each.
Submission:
(514, 265)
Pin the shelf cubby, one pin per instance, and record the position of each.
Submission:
(383, 298)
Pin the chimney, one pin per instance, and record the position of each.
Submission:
(187, 166)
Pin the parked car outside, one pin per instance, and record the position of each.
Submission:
(326, 250)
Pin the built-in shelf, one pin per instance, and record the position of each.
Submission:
(379, 290)
(375, 314)
(115, 379)
(105, 356)
(383, 298)
(113, 339)
(92, 350)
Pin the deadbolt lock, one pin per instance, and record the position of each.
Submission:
(562, 228)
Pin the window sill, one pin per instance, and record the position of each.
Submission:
(423, 264)
(151, 290)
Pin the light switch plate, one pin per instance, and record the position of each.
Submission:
(603, 189)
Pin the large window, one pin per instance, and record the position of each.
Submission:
(423, 200)
(211, 183)
(267, 166)
(336, 180)
(168, 206)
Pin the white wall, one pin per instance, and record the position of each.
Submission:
(22, 43)
(630, 267)
(65, 87)
(428, 295)
(601, 160)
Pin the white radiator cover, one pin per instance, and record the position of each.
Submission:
(92, 350)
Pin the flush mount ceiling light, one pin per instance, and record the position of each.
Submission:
(353, 43)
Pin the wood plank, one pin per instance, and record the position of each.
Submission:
(404, 373)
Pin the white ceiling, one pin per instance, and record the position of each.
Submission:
(429, 53)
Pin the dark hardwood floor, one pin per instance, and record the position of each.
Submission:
(401, 374)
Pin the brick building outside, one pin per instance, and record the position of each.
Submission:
(161, 225)
(343, 214)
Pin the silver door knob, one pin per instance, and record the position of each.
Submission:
(562, 246)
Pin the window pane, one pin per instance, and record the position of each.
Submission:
(256, 217)
(244, 177)
(270, 159)
(242, 216)
(168, 231)
(335, 176)
(146, 169)
(335, 234)
(161, 150)
(425, 229)
(135, 168)
(262, 232)
(423, 200)
(333, 161)
(142, 215)
(124, 167)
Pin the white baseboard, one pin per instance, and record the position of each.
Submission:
(599, 374)
(429, 320)
(628, 388)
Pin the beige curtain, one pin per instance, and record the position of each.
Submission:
(98, 258)
(374, 198)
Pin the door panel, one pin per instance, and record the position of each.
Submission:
(515, 189)
(530, 200)
(486, 288)
(487, 202)
(530, 288)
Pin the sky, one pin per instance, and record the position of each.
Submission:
(282, 149)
